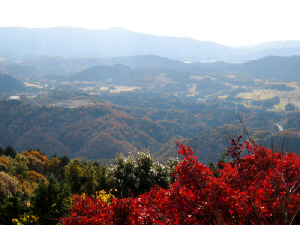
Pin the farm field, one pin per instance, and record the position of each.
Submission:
(285, 96)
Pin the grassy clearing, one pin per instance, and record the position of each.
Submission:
(281, 106)
(285, 96)
(223, 96)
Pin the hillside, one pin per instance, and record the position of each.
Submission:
(98, 130)
(9, 84)
(153, 80)
(95, 132)
(271, 67)
(56, 65)
(103, 73)
(162, 75)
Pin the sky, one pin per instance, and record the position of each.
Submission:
(227, 22)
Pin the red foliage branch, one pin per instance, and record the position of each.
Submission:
(260, 188)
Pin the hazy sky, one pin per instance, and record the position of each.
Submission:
(227, 22)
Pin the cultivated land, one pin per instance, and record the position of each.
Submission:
(72, 103)
(285, 96)
(253, 93)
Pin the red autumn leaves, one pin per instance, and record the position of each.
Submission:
(260, 188)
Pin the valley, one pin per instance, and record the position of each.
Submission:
(119, 127)
(107, 109)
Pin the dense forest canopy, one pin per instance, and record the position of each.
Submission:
(101, 130)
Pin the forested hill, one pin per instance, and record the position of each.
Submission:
(95, 132)
(9, 83)
(271, 67)
(117, 71)
(102, 130)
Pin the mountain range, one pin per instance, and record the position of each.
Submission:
(28, 43)
(270, 67)
(90, 69)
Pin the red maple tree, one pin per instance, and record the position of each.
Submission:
(259, 187)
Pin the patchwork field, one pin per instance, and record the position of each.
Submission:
(285, 96)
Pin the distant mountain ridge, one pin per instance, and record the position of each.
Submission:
(118, 42)
(270, 67)
(125, 68)
(280, 68)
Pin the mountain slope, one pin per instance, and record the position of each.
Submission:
(9, 83)
(103, 73)
(270, 67)
(100, 131)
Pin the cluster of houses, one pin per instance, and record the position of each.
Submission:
(25, 94)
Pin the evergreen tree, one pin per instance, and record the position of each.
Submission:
(64, 160)
(137, 174)
(12, 208)
(215, 168)
(87, 177)
(73, 175)
(10, 151)
(50, 201)
(290, 107)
